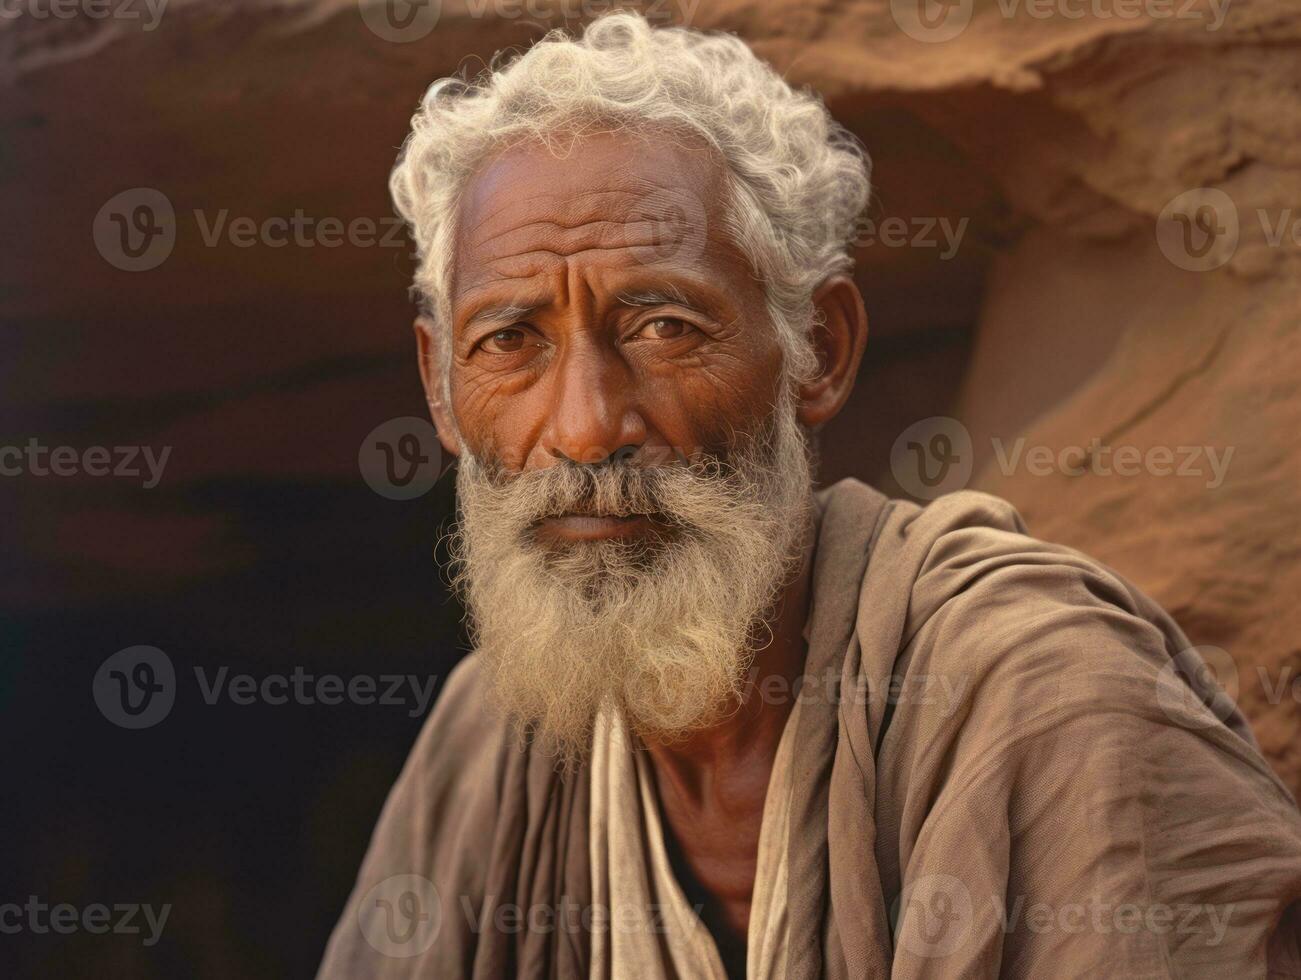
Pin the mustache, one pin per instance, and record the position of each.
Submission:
(618, 486)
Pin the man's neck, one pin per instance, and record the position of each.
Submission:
(712, 786)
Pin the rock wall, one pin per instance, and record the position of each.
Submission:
(1129, 285)
(1082, 293)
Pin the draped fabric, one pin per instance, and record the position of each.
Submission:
(1007, 762)
(655, 933)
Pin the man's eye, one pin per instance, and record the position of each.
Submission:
(665, 328)
(506, 341)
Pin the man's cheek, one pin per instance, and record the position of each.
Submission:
(726, 397)
(483, 410)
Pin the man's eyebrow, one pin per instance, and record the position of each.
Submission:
(502, 313)
(657, 296)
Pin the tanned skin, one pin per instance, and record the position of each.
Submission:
(550, 361)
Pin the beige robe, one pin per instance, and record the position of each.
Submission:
(1005, 764)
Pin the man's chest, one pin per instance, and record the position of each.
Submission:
(714, 854)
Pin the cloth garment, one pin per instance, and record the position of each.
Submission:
(1007, 763)
(654, 933)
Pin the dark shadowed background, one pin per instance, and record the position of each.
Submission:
(1082, 229)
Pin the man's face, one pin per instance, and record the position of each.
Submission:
(634, 481)
(598, 308)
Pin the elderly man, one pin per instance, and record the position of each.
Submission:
(717, 725)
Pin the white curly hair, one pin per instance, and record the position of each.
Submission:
(796, 179)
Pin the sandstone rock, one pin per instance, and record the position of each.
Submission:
(1056, 144)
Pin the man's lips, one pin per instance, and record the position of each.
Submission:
(593, 527)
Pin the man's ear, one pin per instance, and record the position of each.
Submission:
(429, 358)
(839, 337)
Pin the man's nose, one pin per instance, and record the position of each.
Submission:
(593, 415)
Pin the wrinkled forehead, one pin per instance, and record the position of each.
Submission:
(613, 200)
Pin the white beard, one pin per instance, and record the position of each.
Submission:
(665, 630)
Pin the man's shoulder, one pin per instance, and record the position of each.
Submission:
(960, 540)
(463, 739)
(958, 585)
(461, 713)
(917, 524)
(1030, 627)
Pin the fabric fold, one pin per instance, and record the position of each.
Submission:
(1008, 762)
